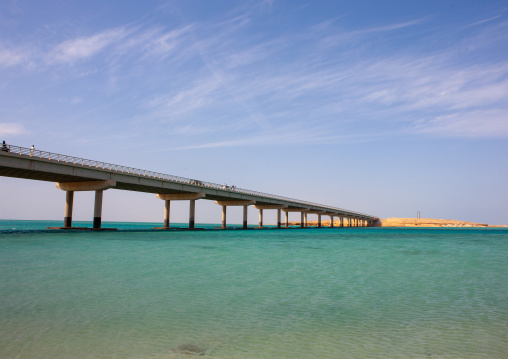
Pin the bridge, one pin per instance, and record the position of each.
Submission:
(78, 174)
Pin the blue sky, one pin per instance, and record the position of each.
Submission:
(385, 108)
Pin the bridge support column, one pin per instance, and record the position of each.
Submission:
(191, 197)
(167, 206)
(302, 220)
(305, 220)
(69, 199)
(70, 187)
(331, 221)
(261, 207)
(319, 221)
(225, 204)
(97, 213)
(342, 221)
(224, 208)
(287, 219)
(192, 213)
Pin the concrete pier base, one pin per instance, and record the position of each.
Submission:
(319, 221)
(167, 197)
(69, 199)
(224, 216)
(287, 219)
(260, 218)
(192, 213)
(167, 208)
(331, 221)
(97, 214)
(245, 217)
(84, 228)
(243, 203)
(278, 217)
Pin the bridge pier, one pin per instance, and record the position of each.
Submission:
(261, 207)
(295, 209)
(192, 213)
(245, 217)
(319, 213)
(168, 197)
(97, 213)
(167, 208)
(69, 199)
(224, 209)
(70, 187)
(331, 221)
(225, 204)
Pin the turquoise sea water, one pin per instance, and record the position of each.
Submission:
(296, 293)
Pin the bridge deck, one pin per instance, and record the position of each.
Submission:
(39, 165)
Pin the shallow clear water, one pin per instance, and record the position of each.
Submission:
(297, 293)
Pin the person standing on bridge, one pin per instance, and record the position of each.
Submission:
(4, 147)
(32, 150)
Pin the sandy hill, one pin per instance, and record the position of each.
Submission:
(409, 222)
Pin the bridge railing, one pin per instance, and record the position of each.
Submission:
(77, 161)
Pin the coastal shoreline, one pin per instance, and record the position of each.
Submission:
(413, 222)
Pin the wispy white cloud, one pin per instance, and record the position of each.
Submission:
(211, 77)
(389, 27)
(478, 124)
(11, 128)
(12, 57)
(287, 137)
(80, 48)
(330, 35)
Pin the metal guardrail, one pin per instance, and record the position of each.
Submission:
(77, 161)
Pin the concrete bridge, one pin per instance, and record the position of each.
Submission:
(77, 174)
